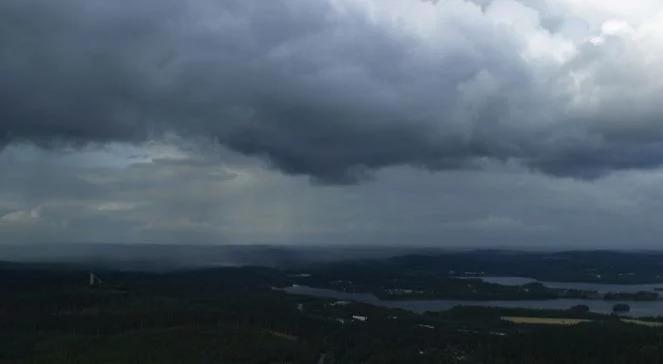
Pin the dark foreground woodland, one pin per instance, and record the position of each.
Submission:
(50, 314)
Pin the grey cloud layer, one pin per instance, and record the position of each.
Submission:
(333, 89)
(191, 199)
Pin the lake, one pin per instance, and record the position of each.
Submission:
(638, 308)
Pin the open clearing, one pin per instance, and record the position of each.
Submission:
(282, 335)
(543, 320)
(643, 323)
(524, 320)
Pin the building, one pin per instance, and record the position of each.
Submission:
(359, 318)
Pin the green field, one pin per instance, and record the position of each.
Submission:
(544, 320)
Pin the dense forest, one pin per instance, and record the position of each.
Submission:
(458, 275)
(51, 314)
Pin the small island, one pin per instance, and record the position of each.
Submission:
(621, 308)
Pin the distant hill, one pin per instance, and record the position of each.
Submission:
(572, 266)
(156, 257)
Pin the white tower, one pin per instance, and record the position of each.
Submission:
(94, 280)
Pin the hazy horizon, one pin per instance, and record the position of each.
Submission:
(167, 257)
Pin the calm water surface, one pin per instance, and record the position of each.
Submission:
(638, 308)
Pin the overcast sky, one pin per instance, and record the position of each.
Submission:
(531, 123)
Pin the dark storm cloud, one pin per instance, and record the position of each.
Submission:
(328, 89)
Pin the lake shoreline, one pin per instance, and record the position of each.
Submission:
(637, 308)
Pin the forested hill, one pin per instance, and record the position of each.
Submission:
(572, 266)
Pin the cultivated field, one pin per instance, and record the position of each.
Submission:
(543, 320)
(644, 323)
